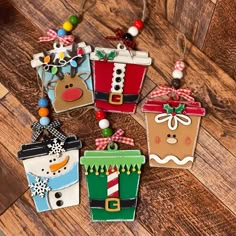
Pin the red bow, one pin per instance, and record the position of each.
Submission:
(184, 93)
(119, 36)
(52, 35)
(101, 143)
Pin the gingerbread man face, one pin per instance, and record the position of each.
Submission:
(72, 92)
(171, 148)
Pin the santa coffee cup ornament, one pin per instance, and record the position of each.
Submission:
(52, 164)
(112, 176)
(68, 78)
(119, 73)
(172, 124)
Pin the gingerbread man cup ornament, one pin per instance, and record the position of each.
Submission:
(172, 121)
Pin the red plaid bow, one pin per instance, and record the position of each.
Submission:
(101, 143)
(119, 36)
(52, 35)
(184, 93)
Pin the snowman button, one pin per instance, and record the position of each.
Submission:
(59, 203)
(58, 194)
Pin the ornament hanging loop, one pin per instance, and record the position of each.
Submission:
(181, 45)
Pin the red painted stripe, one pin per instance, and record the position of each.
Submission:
(112, 183)
(115, 194)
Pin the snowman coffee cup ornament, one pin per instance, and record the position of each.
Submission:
(112, 175)
(68, 80)
(172, 122)
(51, 163)
(119, 73)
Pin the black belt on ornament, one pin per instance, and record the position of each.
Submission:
(116, 98)
(113, 204)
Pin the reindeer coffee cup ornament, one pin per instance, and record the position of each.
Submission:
(68, 74)
(119, 73)
(112, 175)
(172, 123)
(51, 165)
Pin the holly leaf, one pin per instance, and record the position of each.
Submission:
(180, 108)
(111, 55)
(168, 108)
(100, 54)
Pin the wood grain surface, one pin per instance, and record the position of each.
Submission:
(172, 202)
(220, 42)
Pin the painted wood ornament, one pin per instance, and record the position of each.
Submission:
(68, 78)
(112, 175)
(172, 122)
(119, 73)
(51, 163)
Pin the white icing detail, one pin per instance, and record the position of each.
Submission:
(170, 158)
(118, 66)
(183, 119)
(123, 56)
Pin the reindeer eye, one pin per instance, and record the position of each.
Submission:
(168, 135)
(71, 85)
(66, 86)
(174, 136)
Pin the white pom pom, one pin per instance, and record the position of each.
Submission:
(177, 74)
(104, 123)
(133, 31)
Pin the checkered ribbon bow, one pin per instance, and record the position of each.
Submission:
(38, 129)
(52, 35)
(101, 143)
(184, 93)
(119, 37)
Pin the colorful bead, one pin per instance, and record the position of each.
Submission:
(138, 24)
(44, 121)
(61, 32)
(100, 115)
(127, 36)
(179, 65)
(43, 102)
(177, 74)
(176, 83)
(67, 26)
(103, 124)
(74, 20)
(43, 112)
(107, 132)
(133, 31)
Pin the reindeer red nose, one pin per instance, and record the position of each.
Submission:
(72, 94)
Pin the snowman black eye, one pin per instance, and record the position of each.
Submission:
(42, 169)
(50, 160)
(54, 159)
(168, 135)
(47, 172)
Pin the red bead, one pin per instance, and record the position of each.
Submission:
(100, 115)
(138, 24)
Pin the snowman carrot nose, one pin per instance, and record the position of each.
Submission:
(58, 166)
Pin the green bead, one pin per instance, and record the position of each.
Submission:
(74, 20)
(107, 132)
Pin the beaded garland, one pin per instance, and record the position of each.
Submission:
(43, 111)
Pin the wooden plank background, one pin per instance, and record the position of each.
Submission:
(172, 202)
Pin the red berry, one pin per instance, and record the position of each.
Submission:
(100, 115)
(138, 24)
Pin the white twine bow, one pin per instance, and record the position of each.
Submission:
(173, 120)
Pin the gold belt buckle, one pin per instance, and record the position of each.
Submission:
(116, 204)
(116, 98)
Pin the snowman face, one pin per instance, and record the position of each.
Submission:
(51, 165)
